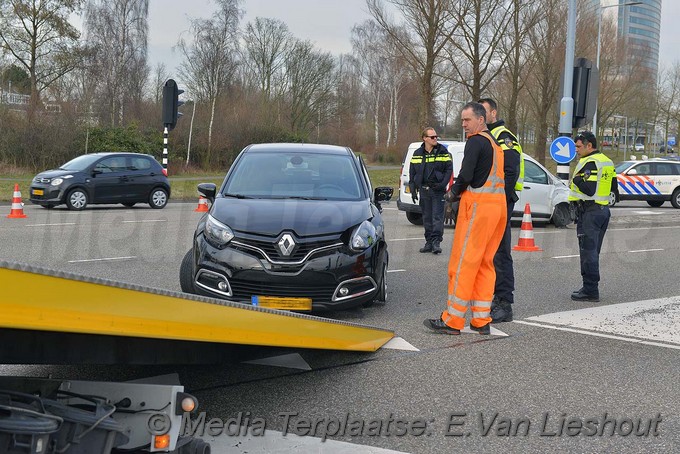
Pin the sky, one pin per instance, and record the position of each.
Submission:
(327, 23)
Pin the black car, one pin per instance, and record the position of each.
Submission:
(126, 178)
(293, 226)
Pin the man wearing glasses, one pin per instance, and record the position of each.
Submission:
(594, 179)
(429, 172)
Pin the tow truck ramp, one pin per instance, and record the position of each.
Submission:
(55, 317)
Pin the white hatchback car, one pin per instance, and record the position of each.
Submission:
(546, 194)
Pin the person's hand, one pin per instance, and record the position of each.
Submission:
(414, 197)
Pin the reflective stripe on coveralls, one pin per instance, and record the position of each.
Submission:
(481, 223)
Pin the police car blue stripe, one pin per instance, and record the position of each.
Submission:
(655, 190)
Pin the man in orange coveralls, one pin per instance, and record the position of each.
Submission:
(481, 222)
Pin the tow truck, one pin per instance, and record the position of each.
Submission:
(53, 317)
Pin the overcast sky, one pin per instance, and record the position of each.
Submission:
(327, 23)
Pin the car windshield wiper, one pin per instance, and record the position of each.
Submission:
(299, 197)
(237, 196)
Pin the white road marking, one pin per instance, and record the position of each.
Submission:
(102, 259)
(406, 239)
(647, 250)
(494, 331)
(48, 225)
(398, 343)
(564, 256)
(647, 212)
(395, 271)
(291, 361)
(651, 322)
(148, 220)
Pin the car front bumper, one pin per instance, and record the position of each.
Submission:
(237, 274)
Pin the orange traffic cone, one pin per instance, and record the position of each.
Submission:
(17, 210)
(202, 205)
(526, 234)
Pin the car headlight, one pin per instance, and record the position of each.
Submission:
(56, 182)
(363, 236)
(217, 233)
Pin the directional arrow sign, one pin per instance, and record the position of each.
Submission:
(563, 150)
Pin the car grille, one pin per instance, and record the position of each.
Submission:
(303, 247)
(245, 289)
(41, 180)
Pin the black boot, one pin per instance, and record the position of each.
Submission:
(486, 329)
(427, 247)
(501, 311)
(581, 295)
(436, 248)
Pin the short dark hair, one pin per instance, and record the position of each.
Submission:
(477, 109)
(587, 137)
(490, 102)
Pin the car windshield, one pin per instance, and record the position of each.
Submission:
(80, 163)
(621, 166)
(290, 174)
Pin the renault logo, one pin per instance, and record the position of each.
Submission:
(286, 244)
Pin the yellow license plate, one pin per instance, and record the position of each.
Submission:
(278, 302)
(38, 192)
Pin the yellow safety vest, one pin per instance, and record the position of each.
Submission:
(604, 176)
(496, 132)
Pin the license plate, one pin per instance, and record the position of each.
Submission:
(278, 302)
(38, 192)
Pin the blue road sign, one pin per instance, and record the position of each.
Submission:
(671, 140)
(563, 150)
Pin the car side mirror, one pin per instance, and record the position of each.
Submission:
(96, 172)
(208, 190)
(383, 193)
(632, 172)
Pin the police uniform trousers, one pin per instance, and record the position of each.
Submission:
(479, 229)
(432, 205)
(502, 261)
(590, 228)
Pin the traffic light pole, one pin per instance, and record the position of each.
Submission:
(165, 149)
(567, 102)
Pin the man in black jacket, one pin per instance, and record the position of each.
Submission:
(429, 172)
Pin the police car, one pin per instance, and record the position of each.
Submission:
(546, 194)
(654, 180)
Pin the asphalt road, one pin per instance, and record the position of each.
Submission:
(525, 392)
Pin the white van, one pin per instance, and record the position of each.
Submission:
(404, 202)
(546, 194)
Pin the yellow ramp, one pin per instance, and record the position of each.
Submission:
(46, 300)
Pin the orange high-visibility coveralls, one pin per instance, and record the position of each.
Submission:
(482, 216)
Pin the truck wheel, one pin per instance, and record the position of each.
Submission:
(186, 275)
(414, 218)
(195, 446)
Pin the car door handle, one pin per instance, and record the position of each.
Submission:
(124, 179)
(526, 187)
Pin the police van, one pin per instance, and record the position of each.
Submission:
(404, 202)
(655, 181)
(546, 194)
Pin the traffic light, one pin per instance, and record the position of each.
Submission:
(584, 91)
(171, 104)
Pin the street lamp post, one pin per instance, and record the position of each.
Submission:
(599, 45)
(625, 138)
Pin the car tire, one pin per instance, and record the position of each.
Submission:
(414, 218)
(655, 203)
(675, 198)
(186, 275)
(612, 199)
(129, 204)
(561, 215)
(76, 199)
(381, 296)
(158, 198)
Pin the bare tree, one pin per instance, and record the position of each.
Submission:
(266, 43)
(428, 27)
(310, 77)
(210, 61)
(118, 30)
(37, 34)
(160, 75)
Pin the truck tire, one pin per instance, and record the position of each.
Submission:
(414, 218)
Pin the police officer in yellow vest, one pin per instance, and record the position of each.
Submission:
(594, 179)
(501, 306)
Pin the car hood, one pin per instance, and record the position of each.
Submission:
(304, 217)
(54, 173)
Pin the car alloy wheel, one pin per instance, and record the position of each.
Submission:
(158, 198)
(76, 199)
